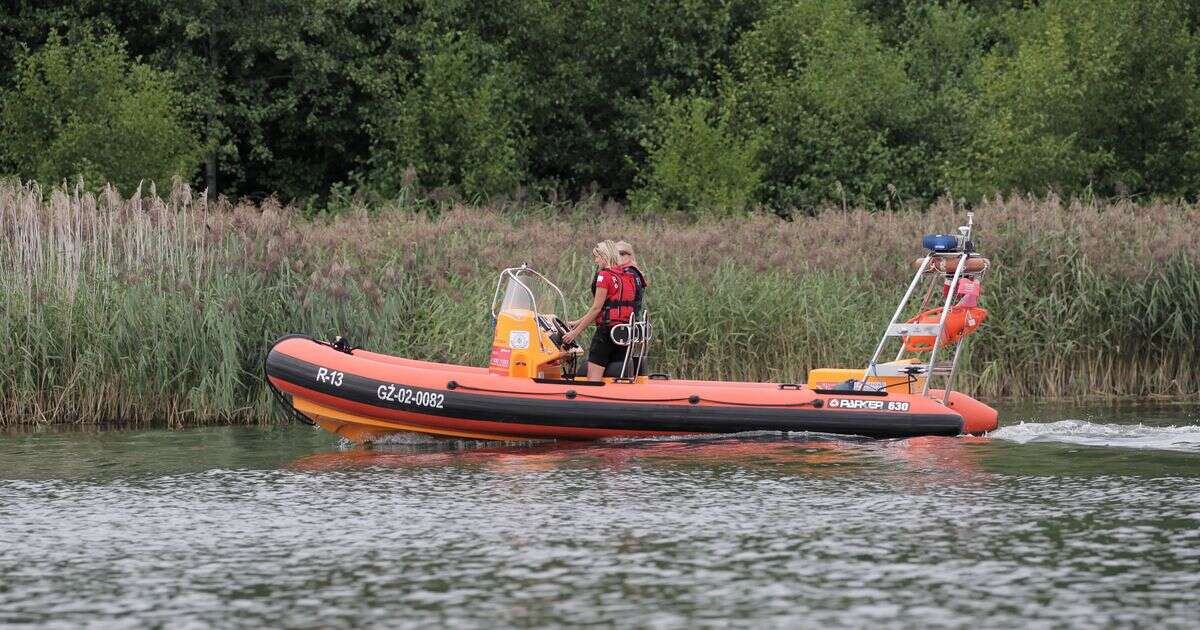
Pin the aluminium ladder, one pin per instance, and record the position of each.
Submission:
(899, 329)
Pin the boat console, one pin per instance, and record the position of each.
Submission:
(527, 341)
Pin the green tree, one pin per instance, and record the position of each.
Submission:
(84, 108)
(289, 96)
(456, 122)
(587, 71)
(283, 89)
(695, 162)
(943, 48)
(1101, 94)
(833, 104)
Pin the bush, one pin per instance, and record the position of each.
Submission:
(1101, 96)
(83, 108)
(695, 162)
(456, 123)
(834, 106)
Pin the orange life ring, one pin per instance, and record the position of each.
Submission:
(961, 321)
(975, 264)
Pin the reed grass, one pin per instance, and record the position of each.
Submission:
(159, 308)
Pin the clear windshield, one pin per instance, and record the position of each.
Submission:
(527, 291)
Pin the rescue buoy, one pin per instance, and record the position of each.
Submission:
(961, 321)
(949, 265)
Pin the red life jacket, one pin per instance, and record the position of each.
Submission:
(639, 281)
(619, 305)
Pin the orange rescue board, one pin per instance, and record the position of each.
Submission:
(948, 265)
(961, 322)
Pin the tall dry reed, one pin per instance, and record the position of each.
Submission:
(159, 308)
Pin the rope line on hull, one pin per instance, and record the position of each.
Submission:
(816, 402)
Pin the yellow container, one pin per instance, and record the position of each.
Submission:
(828, 378)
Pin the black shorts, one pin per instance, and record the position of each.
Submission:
(603, 351)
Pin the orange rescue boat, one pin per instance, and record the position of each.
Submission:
(529, 390)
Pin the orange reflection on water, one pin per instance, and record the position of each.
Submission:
(819, 456)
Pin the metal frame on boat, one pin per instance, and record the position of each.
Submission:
(929, 270)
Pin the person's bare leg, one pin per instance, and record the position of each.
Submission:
(595, 372)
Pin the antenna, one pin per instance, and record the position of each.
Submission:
(964, 231)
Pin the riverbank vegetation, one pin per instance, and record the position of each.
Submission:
(706, 106)
(161, 307)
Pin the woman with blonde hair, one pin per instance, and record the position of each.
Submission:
(625, 249)
(613, 303)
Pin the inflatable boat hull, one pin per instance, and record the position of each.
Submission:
(365, 396)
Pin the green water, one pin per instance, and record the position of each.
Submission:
(1067, 516)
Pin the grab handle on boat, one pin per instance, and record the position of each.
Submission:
(789, 386)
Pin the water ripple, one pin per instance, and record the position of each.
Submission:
(1084, 433)
(282, 528)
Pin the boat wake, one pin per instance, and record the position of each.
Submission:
(1172, 438)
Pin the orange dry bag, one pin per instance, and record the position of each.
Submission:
(961, 321)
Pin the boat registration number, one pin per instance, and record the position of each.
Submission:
(332, 377)
(874, 405)
(406, 396)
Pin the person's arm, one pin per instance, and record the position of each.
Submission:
(589, 317)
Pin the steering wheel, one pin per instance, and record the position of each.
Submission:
(560, 329)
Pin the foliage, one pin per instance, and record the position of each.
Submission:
(588, 71)
(83, 108)
(873, 102)
(834, 106)
(695, 163)
(284, 89)
(943, 48)
(457, 124)
(1102, 96)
